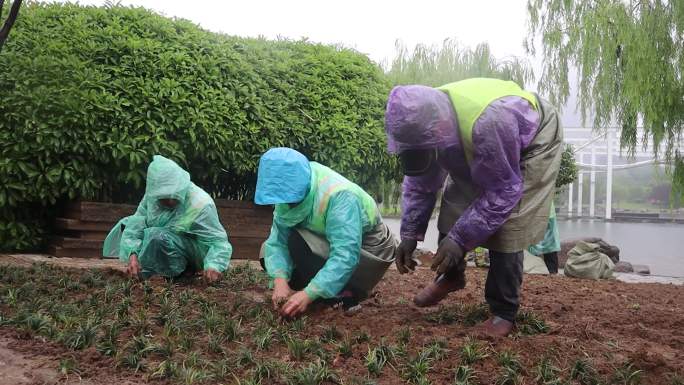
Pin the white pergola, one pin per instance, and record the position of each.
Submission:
(590, 143)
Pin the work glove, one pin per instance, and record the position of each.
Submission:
(403, 255)
(449, 254)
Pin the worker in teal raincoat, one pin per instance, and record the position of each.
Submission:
(175, 229)
(327, 240)
(549, 247)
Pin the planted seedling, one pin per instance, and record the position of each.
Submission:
(511, 368)
(583, 371)
(81, 336)
(471, 352)
(297, 347)
(415, 371)
(190, 375)
(627, 374)
(69, 366)
(215, 344)
(165, 369)
(263, 338)
(298, 324)
(221, 369)
(231, 329)
(362, 337)
(139, 323)
(508, 376)
(445, 315)
(529, 323)
(107, 345)
(185, 342)
(313, 374)
(675, 379)
(375, 360)
(435, 350)
(404, 335)
(245, 357)
(330, 334)
(473, 314)
(510, 360)
(345, 347)
(131, 360)
(547, 373)
(163, 349)
(464, 375)
(267, 370)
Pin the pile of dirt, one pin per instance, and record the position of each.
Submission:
(618, 329)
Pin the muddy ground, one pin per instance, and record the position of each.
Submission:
(630, 333)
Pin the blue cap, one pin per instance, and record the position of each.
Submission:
(284, 177)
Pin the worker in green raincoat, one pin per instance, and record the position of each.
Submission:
(327, 240)
(549, 247)
(175, 229)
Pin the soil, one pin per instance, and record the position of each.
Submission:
(610, 323)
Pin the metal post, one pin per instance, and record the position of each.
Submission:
(580, 188)
(570, 186)
(592, 183)
(609, 175)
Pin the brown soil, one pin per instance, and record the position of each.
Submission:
(610, 323)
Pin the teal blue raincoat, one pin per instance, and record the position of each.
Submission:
(167, 241)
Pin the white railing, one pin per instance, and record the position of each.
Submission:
(605, 143)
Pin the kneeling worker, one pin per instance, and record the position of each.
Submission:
(175, 229)
(327, 240)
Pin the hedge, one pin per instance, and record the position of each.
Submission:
(88, 95)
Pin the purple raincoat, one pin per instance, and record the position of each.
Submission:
(417, 115)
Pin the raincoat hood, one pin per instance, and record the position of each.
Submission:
(418, 118)
(284, 176)
(166, 180)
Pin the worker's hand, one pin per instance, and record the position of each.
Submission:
(403, 255)
(133, 268)
(281, 292)
(296, 305)
(211, 275)
(449, 254)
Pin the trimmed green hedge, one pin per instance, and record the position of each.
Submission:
(88, 95)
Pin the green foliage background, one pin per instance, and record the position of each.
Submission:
(89, 94)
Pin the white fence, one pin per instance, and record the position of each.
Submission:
(598, 151)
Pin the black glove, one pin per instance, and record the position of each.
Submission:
(403, 255)
(449, 254)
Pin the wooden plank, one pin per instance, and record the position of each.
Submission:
(248, 233)
(93, 235)
(233, 204)
(78, 243)
(104, 212)
(75, 224)
(74, 253)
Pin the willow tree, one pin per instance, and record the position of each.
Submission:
(434, 65)
(629, 58)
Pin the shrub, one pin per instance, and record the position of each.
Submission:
(91, 93)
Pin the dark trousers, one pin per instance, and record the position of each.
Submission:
(551, 261)
(502, 289)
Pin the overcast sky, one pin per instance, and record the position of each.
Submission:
(370, 26)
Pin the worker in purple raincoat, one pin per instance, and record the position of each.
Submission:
(498, 149)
